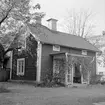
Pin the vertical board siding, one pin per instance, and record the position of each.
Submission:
(30, 62)
(47, 60)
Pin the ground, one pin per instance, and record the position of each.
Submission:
(23, 94)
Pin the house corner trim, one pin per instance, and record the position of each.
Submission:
(39, 55)
(11, 59)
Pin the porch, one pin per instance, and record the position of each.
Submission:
(72, 68)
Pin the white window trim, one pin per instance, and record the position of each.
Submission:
(22, 73)
(56, 49)
(84, 52)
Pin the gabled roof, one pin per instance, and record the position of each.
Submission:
(48, 36)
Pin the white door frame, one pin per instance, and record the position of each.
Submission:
(70, 75)
(82, 81)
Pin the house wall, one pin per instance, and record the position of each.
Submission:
(30, 61)
(47, 60)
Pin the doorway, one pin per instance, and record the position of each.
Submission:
(76, 73)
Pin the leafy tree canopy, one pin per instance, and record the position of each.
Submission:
(14, 16)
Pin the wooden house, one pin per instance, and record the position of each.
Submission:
(71, 56)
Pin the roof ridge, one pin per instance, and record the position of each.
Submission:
(57, 31)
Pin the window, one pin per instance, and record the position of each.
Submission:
(21, 43)
(20, 66)
(56, 48)
(84, 52)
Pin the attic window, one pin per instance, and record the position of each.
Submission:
(84, 52)
(56, 48)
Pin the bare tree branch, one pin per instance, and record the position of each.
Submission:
(78, 23)
(5, 17)
(6, 12)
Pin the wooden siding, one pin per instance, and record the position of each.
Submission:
(30, 62)
(47, 60)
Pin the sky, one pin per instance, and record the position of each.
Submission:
(58, 9)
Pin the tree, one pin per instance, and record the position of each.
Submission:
(17, 9)
(14, 17)
(79, 23)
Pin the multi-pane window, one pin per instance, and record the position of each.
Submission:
(20, 66)
(56, 48)
(84, 52)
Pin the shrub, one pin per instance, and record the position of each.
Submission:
(95, 79)
(51, 80)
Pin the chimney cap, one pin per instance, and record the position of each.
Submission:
(52, 19)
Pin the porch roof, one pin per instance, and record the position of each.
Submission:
(57, 53)
(64, 53)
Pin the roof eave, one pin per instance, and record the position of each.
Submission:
(97, 50)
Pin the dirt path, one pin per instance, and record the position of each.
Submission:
(30, 95)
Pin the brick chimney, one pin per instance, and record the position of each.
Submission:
(52, 24)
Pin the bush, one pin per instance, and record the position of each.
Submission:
(50, 84)
(96, 79)
(51, 80)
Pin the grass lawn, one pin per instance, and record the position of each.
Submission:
(29, 95)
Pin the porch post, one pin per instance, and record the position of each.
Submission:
(66, 82)
(54, 66)
(81, 74)
(72, 74)
(89, 73)
(68, 74)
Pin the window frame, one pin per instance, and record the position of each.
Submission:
(84, 52)
(18, 71)
(55, 48)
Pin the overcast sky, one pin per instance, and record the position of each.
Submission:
(58, 9)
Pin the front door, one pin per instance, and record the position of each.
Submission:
(69, 75)
(77, 73)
